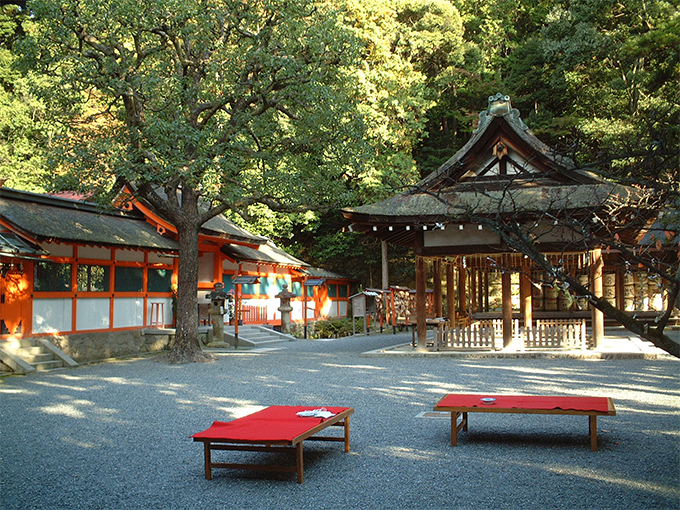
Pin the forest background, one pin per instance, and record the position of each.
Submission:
(595, 79)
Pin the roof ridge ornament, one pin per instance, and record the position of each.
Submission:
(500, 106)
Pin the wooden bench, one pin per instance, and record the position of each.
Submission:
(462, 404)
(273, 429)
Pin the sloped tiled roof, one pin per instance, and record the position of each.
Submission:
(43, 217)
(267, 253)
(319, 272)
(218, 226)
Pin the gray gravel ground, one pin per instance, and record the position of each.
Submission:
(115, 435)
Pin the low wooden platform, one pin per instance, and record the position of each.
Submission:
(462, 404)
(273, 429)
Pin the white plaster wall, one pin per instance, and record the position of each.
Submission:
(130, 255)
(128, 312)
(206, 264)
(166, 310)
(92, 313)
(51, 315)
(93, 252)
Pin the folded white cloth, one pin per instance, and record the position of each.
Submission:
(322, 412)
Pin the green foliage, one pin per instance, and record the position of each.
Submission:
(336, 328)
(24, 129)
(240, 101)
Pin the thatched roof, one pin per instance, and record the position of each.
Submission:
(503, 169)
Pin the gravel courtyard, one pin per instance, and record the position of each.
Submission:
(116, 435)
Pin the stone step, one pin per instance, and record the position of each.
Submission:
(44, 366)
(36, 357)
(38, 354)
(254, 335)
(30, 351)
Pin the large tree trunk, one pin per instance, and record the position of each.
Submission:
(187, 347)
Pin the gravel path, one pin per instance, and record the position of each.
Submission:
(115, 435)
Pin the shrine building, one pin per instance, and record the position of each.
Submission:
(487, 294)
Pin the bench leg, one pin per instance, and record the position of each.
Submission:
(299, 462)
(455, 426)
(206, 454)
(593, 432)
(346, 423)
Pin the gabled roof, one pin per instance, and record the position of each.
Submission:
(42, 217)
(504, 168)
(218, 226)
(502, 139)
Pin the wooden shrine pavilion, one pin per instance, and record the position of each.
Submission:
(493, 292)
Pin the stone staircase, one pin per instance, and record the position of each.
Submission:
(255, 336)
(35, 354)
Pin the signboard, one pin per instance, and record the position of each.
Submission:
(359, 305)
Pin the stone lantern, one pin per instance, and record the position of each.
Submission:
(216, 311)
(285, 307)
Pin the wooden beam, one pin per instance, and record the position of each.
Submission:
(526, 297)
(421, 305)
(462, 293)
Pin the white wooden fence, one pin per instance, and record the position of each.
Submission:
(557, 334)
(487, 334)
(481, 334)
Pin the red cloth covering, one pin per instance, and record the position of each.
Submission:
(275, 423)
(599, 404)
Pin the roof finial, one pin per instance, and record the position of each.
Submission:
(499, 105)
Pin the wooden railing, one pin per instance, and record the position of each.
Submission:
(557, 334)
(478, 335)
(254, 314)
(488, 334)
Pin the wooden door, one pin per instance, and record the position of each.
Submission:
(14, 300)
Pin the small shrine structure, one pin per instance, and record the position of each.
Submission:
(496, 298)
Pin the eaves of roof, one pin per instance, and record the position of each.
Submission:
(42, 217)
(267, 253)
(452, 205)
(319, 272)
(218, 226)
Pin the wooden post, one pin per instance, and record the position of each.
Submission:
(421, 294)
(450, 296)
(506, 283)
(304, 306)
(437, 286)
(462, 295)
(527, 304)
(473, 291)
(596, 315)
(385, 267)
(421, 305)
